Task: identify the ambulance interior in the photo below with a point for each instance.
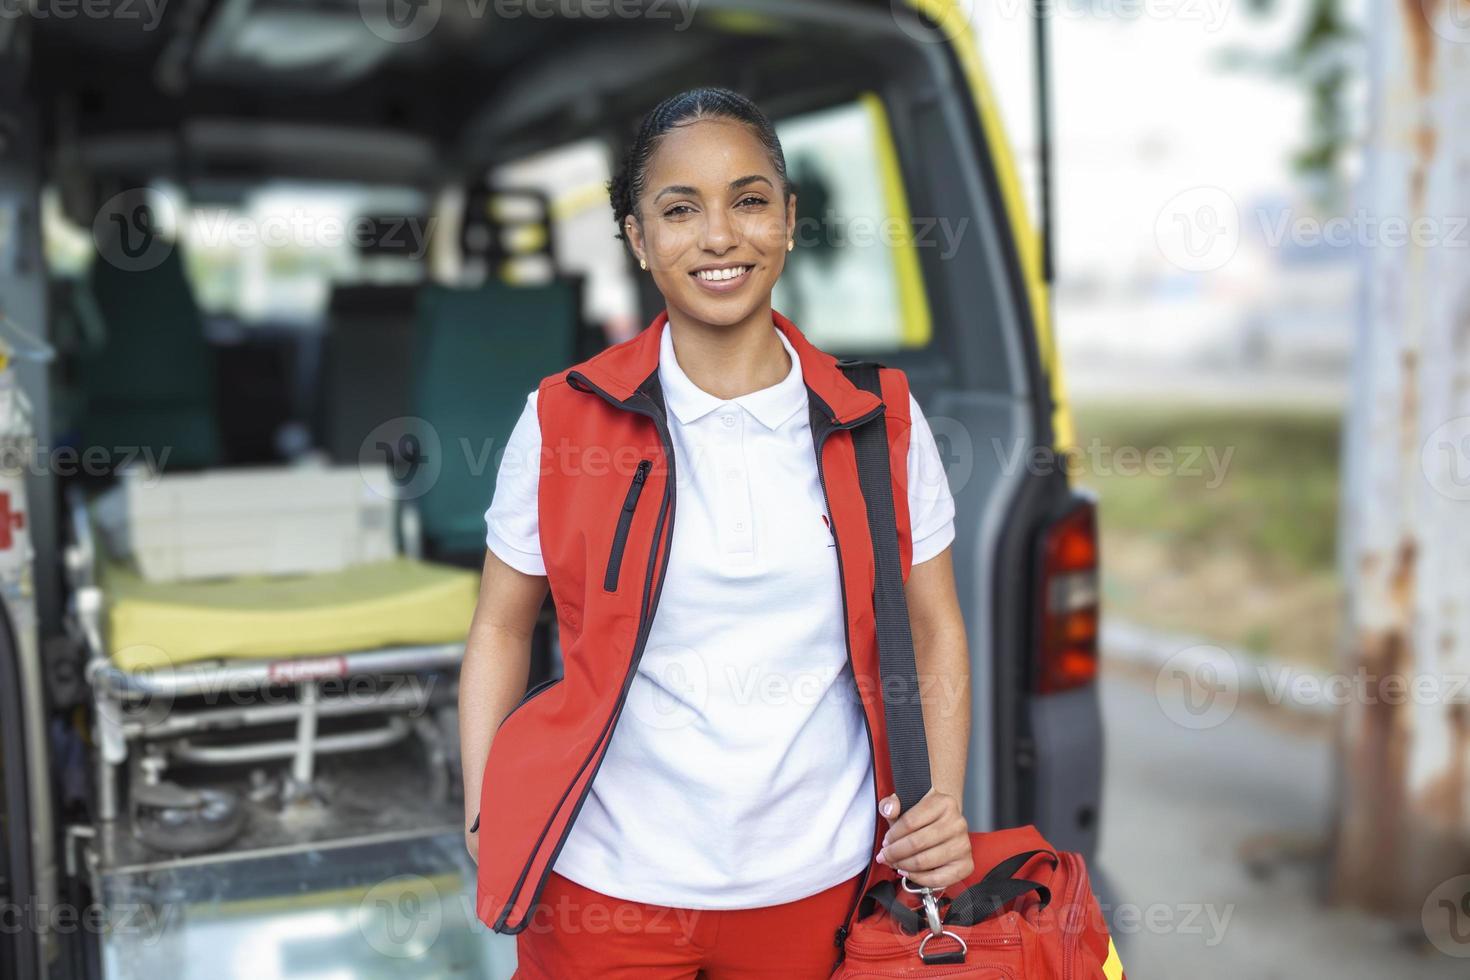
(299, 279)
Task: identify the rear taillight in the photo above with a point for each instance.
(1067, 649)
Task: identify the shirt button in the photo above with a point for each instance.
(728, 420)
(739, 525)
(732, 474)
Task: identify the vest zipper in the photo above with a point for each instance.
(645, 618)
(625, 520)
(833, 426)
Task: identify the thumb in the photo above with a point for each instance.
(889, 807)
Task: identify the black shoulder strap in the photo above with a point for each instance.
(908, 749)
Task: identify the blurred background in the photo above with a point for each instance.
(1181, 285)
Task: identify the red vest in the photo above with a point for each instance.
(607, 510)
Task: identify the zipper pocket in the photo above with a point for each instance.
(645, 620)
(533, 692)
(625, 520)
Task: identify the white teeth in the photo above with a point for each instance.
(717, 275)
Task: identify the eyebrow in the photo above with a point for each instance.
(735, 185)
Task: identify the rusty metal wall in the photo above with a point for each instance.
(1404, 760)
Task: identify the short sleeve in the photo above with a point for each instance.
(512, 524)
(931, 505)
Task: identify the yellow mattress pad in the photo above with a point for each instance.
(400, 602)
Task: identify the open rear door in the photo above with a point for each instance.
(19, 949)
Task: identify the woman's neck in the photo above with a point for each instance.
(730, 361)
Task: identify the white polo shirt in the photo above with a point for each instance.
(739, 773)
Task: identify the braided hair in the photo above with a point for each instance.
(678, 110)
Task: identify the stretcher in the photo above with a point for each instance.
(248, 672)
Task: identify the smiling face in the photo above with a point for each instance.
(711, 223)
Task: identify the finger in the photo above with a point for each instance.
(889, 807)
(922, 839)
(921, 814)
(932, 857)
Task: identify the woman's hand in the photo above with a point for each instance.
(930, 843)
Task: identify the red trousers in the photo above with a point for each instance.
(575, 932)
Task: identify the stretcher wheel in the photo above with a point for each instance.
(169, 818)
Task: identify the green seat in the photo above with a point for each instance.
(151, 382)
(480, 351)
(366, 352)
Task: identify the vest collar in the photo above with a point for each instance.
(623, 368)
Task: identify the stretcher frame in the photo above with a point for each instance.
(117, 694)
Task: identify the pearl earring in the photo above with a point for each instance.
(643, 264)
(790, 244)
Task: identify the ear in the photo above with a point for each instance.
(634, 233)
(790, 217)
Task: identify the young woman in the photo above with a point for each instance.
(701, 779)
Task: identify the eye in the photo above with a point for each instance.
(678, 211)
(751, 199)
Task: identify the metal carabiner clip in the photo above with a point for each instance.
(930, 898)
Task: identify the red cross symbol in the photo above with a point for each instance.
(9, 521)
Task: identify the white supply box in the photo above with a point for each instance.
(248, 521)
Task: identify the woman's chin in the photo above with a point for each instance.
(723, 311)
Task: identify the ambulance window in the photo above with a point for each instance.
(574, 178)
(854, 282)
(275, 255)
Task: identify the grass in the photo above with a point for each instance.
(1220, 522)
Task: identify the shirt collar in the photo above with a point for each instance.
(771, 406)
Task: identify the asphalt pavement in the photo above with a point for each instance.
(1214, 828)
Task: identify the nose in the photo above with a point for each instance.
(719, 232)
